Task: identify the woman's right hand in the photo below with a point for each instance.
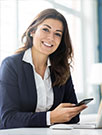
(65, 112)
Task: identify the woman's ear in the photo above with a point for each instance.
(32, 34)
(32, 31)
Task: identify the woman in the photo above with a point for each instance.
(36, 88)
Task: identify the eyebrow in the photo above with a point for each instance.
(50, 28)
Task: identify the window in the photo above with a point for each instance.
(8, 27)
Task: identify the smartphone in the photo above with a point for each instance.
(84, 101)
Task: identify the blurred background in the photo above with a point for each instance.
(84, 18)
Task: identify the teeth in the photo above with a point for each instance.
(47, 44)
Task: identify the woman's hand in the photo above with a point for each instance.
(65, 112)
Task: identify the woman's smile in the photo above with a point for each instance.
(47, 44)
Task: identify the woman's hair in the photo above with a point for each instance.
(60, 59)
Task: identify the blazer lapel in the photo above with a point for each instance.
(29, 75)
(58, 94)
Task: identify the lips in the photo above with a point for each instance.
(47, 44)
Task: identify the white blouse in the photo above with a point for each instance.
(45, 95)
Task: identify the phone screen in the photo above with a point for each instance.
(84, 101)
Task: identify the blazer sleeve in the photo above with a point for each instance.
(70, 97)
(10, 113)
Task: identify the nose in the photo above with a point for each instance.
(51, 36)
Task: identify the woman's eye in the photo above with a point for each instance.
(45, 29)
(59, 35)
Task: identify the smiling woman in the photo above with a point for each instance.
(46, 40)
(63, 47)
(36, 81)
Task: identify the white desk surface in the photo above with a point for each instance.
(48, 131)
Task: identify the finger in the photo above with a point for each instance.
(67, 105)
(76, 109)
(82, 107)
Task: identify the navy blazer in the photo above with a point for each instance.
(18, 95)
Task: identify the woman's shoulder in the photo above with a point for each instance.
(14, 61)
(13, 58)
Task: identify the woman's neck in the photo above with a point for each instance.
(40, 62)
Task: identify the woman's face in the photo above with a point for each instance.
(47, 37)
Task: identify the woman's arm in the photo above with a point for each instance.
(11, 113)
(66, 112)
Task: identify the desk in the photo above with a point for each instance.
(47, 131)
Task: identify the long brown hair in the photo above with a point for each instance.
(61, 59)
